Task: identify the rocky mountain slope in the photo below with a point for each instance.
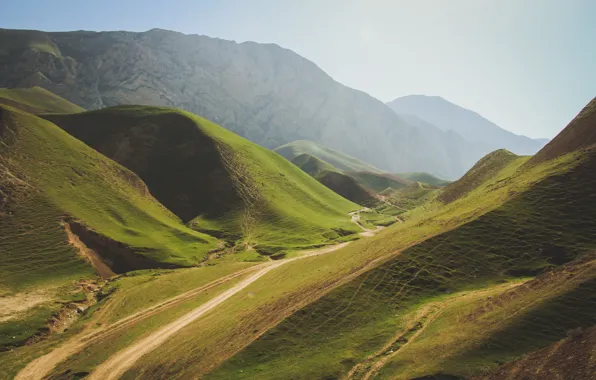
(263, 92)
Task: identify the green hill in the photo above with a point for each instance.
(49, 178)
(57, 193)
(336, 159)
(579, 134)
(347, 187)
(214, 180)
(329, 176)
(426, 178)
(504, 269)
(378, 182)
(484, 170)
(36, 100)
(312, 165)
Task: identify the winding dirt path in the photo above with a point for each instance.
(121, 361)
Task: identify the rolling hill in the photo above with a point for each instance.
(36, 100)
(336, 159)
(425, 178)
(312, 165)
(214, 180)
(506, 268)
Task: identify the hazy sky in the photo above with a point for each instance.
(527, 65)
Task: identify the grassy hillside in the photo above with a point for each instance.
(580, 133)
(570, 358)
(378, 182)
(336, 159)
(36, 100)
(49, 176)
(484, 170)
(334, 179)
(312, 165)
(394, 320)
(214, 180)
(51, 183)
(347, 187)
(426, 178)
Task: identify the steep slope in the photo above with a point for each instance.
(470, 125)
(49, 179)
(262, 92)
(67, 213)
(214, 180)
(337, 159)
(579, 134)
(346, 186)
(458, 301)
(570, 358)
(426, 178)
(401, 310)
(312, 165)
(378, 182)
(36, 100)
(484, 170)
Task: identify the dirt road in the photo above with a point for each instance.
(121, 361)
(114, 367)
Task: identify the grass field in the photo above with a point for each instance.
(37, 100)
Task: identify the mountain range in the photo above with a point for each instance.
(265, 93)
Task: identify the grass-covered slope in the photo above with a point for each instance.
(484, 170)
(580, 133)
(426, 178)
(215, 180)
(334, 179)
(312, 165)
(430, 309)
(347, 187)
(47, 177)
(36, 100)
(379, 182)
(337, 159)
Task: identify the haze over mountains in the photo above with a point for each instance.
(263, 92)
(139, 241)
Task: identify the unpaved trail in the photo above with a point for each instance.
(121, 361)
(40, 367)
(114, 367)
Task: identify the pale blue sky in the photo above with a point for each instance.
(528, 65)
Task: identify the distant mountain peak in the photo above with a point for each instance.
(472, 126)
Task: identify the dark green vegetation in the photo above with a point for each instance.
(335, 180)
(336, 159)
(214, 180)
(347, 187)
(49, 178)
(36, 100)
(51, 182)
(425, 178)
(379, 182)
(312, 165)
(443, 306)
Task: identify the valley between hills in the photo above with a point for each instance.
(141, 240)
